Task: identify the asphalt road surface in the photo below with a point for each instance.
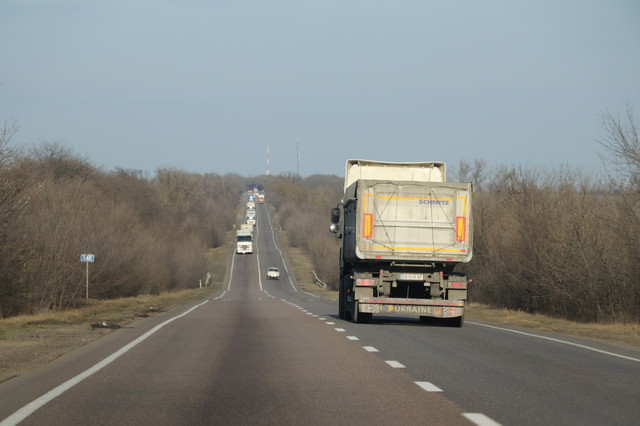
(264, 352)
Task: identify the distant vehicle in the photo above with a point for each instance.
(273, 273)
(250, 219)
(260, 198)
(244, 242)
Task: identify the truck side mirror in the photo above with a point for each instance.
(335, 215)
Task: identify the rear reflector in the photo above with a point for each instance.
(461, 225)
(365, 281)
(367, 225)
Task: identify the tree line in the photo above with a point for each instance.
(558, 242)
(148, 234)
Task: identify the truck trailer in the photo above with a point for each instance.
(405, 234)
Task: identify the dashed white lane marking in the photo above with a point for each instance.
(395, 364)
(341, 330)
(480, 419)
(330, 323)
(352, 338)
(371, 349)
(557, 341)
(322, 319)
(429, 387)
(273, 237)
(30, 408)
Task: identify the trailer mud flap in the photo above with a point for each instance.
(415, 310)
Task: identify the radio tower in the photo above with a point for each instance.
(268, 171)
(298, 157)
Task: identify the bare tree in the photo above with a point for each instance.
(622, 144)
(476, 173)
(7, 152)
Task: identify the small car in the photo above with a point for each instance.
(273, 273)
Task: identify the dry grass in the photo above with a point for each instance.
(28, 341)
(218, 258)
(621, 334)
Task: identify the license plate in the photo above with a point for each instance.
(411, 277)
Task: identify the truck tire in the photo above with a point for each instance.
(359, 317)
(341, 299)
(456, 322)
(426, 320)
(355, 315)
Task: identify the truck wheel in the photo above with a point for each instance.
(359, 317)
(426, 319)
(341, 302)
(355, 315)
(456, 322)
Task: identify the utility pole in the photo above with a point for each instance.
(298, 157)
(268, 171)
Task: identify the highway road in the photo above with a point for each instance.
(265, 352)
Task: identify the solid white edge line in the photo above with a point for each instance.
(34, 405)
(395, 364)
(259, 275)
(273, 235)
(220, 296)
(233, 259)
(480, 419)
(428, 386)
(589, 348)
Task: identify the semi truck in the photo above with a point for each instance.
(406, 232)
(244, 241)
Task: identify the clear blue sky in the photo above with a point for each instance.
(205, 85)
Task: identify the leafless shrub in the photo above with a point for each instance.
(547, 242)
(148, 235)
